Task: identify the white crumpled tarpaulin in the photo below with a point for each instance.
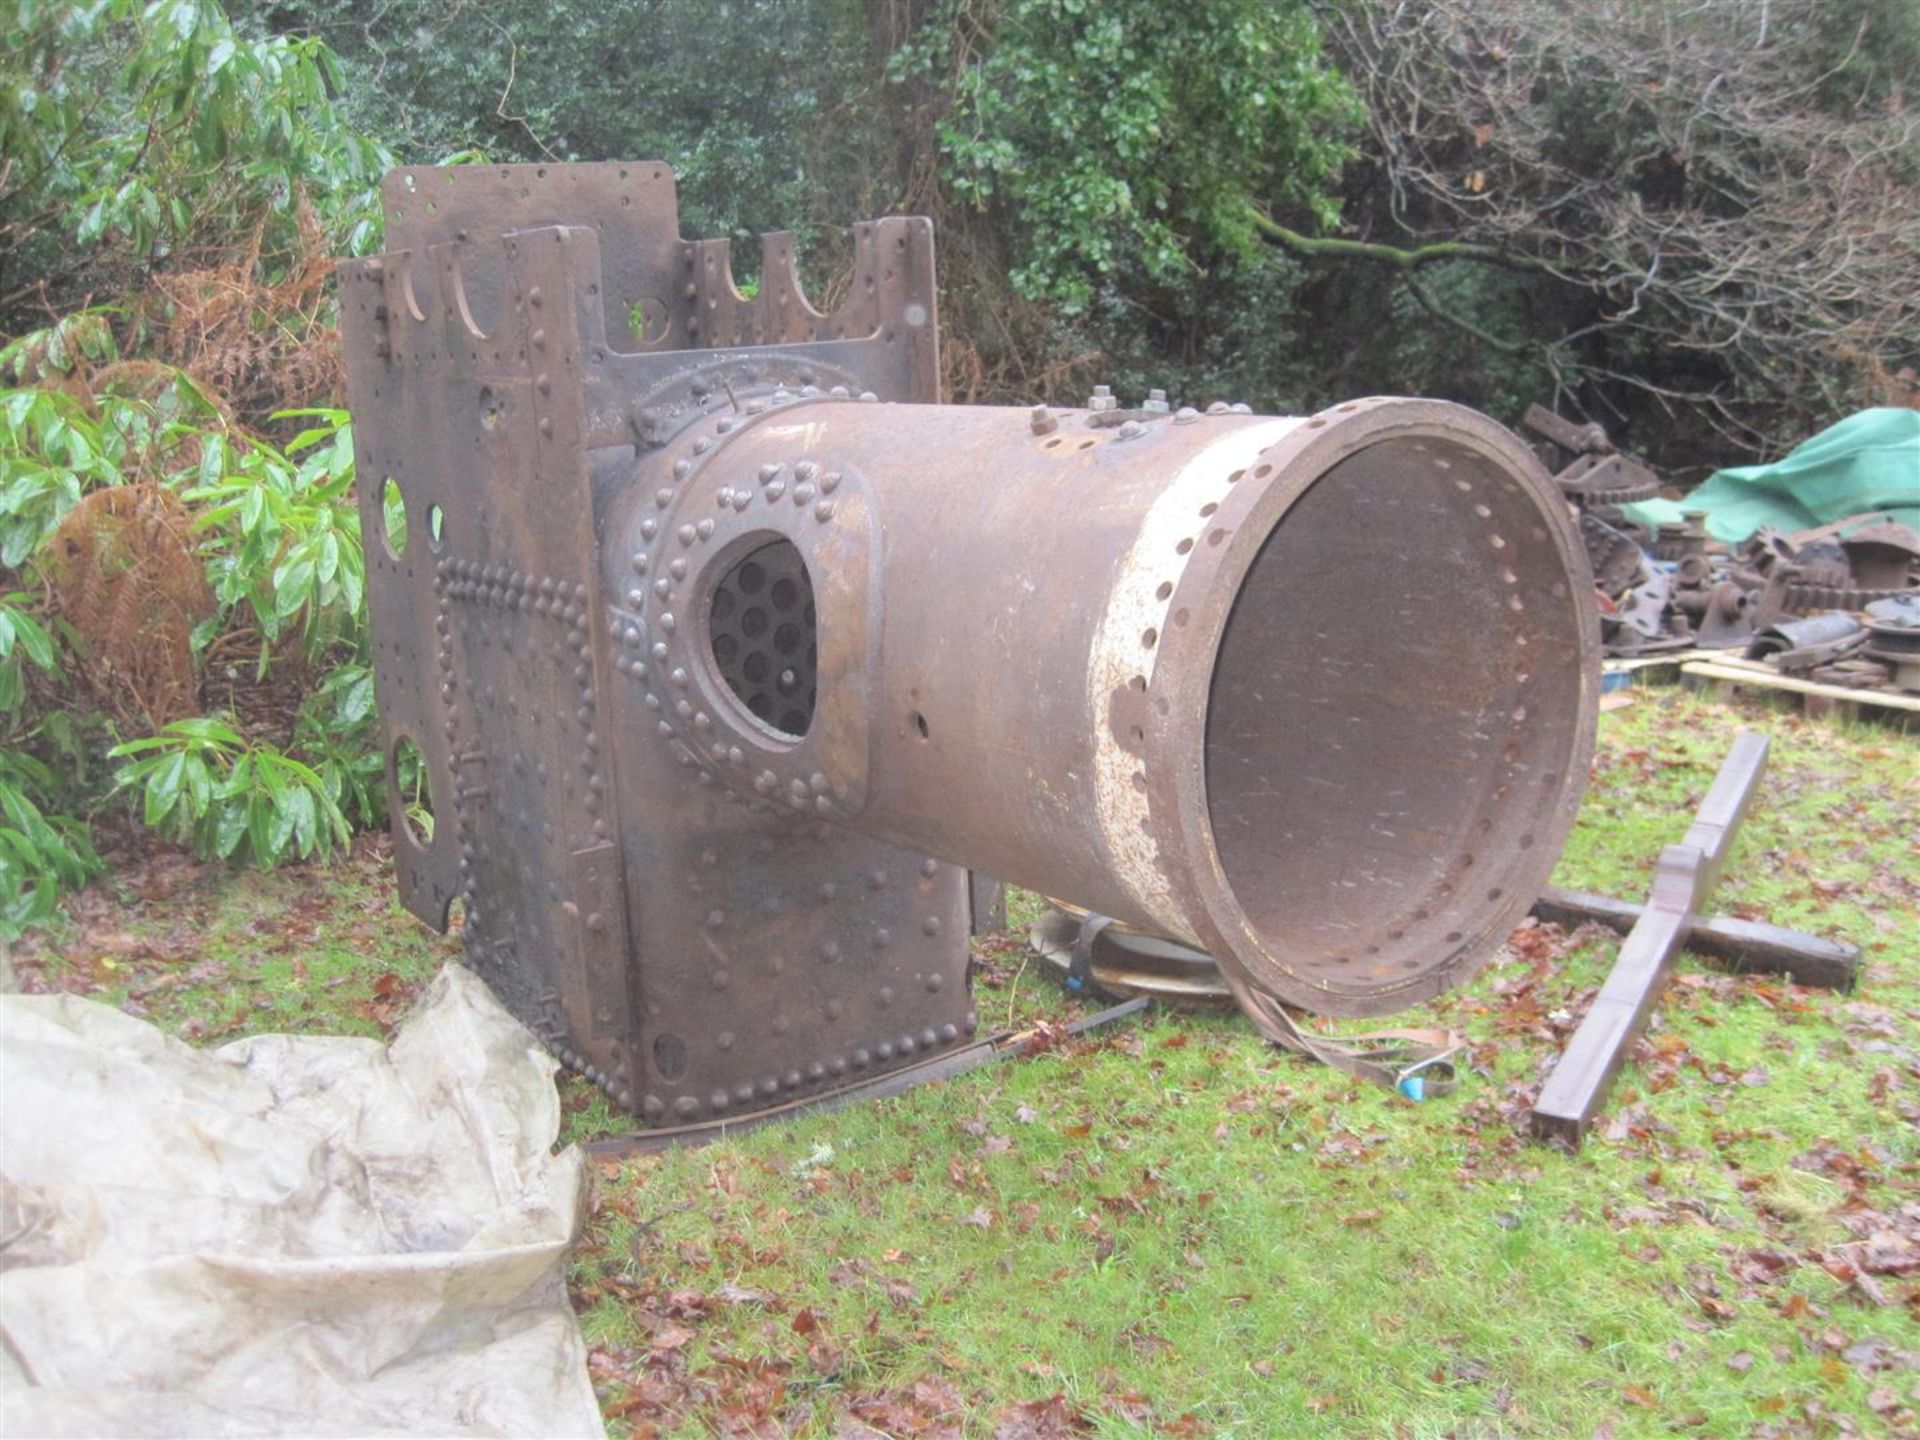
(288, 1235)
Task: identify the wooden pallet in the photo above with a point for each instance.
(1729, 672)
(1661, 668)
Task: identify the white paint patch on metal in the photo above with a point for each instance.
(1133, 608)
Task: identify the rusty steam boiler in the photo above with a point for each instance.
(728, 651)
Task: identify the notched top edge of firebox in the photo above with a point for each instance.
(662, 291)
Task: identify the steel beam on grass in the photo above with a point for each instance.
(1684, 878)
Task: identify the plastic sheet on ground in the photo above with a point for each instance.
(1868, 462)
(288, 1235)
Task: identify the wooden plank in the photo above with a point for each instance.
(1747, 947)
(1683, 879)
(1745, 673)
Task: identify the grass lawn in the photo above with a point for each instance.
(1172, 1228)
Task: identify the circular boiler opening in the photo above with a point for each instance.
(1397, 724)
(762, 631)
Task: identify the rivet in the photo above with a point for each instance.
(704, 529)
(1185, 415)
(929, 867)
(768, 471)
(686, 534)
(679, 675)
(663, 497)
(776, 489)
(802, 494)
(663, 587)
(823, 511)
(882, 938)
(868, 396)
(660, 650)
(741, 499)
(931, 925)
(677, 567)
(682, 469)
(546, 425)
(805, 470)
(639, 562)
(702, 444)
(716, 918)
(667, 622)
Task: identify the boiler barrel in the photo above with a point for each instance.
(1314, 694)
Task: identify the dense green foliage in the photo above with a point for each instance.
(135, 133)
(1125, 144)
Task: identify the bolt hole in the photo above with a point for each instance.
(670, 1056)
(393, 518)
(920, 724)
(412, 797)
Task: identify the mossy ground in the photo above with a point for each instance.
(1172, 1228)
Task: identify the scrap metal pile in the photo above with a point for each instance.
(1838, 604)
(728, 653)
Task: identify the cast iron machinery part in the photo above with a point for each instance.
(713, 907)
(1893, 637)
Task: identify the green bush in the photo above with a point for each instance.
(204, 784)
(277, 532)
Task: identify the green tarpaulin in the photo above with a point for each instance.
(1867, 462)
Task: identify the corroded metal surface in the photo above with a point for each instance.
(713, 841)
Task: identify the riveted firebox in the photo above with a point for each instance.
(727, 649)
